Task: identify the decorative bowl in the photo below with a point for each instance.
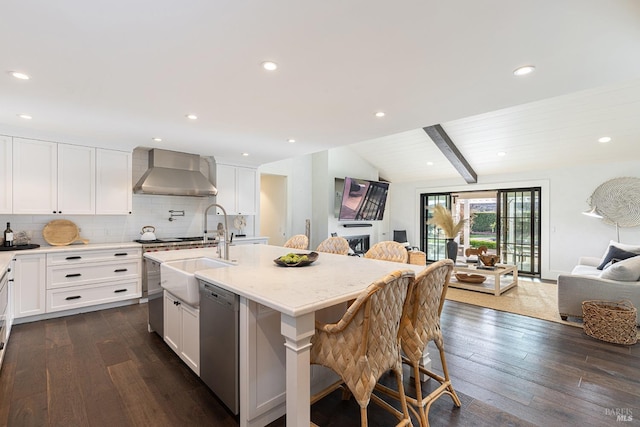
(311, 257)
(489, 260)
(470, 278)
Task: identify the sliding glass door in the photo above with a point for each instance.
(431, 240)
(517, 225)
(519, 229)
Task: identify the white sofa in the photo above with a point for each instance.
(618, 281)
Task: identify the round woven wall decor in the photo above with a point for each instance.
(618, 201)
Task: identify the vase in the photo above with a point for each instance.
(452, 249)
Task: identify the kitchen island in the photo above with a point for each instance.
(296, 294)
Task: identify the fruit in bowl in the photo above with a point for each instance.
(292, 258)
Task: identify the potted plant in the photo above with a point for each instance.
(443, 219)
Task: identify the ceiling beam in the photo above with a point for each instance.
(451, 152)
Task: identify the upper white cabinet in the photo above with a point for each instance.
(35, 185)
(51, 178)
(237, 189)
(6, 173)
(113, 182)
(76, 179)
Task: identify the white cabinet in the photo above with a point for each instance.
(76, 180)
(6, 175)
(69, 179)
(182, 330)
(237, 189)
(35, 165)
(113, 182)
(29, 285)
(91, 277)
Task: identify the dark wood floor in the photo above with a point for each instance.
(103, 368)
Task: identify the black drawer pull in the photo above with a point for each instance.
(121, 254)
(74, 297)
(117, 291)
(120, 270)
(73, 275)
(69, 258)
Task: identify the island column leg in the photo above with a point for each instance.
(297, 332)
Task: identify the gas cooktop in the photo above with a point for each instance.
(172, 240)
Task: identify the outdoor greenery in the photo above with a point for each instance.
(483, 222)
(490, 244)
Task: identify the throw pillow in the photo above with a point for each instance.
(629, 248)
(615, 252)
(627, 270)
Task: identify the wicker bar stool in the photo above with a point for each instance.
(299, 241)
(421, 324)
(365, 344)
(334, 245)
(388, 251)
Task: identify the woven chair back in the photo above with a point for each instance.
(388, 251)
(334, 245)
(364, 344)
(299, 241)
(421, 320)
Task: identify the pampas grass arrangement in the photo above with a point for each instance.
(443, 219)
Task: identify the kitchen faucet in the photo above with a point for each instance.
(225, 242)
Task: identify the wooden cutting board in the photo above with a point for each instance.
(62, 232)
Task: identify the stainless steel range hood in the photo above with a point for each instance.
(174, 174)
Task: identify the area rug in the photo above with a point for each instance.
(531, 298)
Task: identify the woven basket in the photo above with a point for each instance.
(610, 321)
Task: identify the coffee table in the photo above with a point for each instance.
(500, 278)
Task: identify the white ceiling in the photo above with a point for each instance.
(117, 73)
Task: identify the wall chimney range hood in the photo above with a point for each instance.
(172, 173)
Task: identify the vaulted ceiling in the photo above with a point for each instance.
(119, 73)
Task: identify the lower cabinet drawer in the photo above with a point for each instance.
(65, 276)
(82, 296)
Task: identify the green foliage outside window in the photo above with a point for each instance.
(483, 222)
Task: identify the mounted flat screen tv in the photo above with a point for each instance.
(363, 200)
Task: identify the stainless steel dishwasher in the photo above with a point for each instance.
(219, 343)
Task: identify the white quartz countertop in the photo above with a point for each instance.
(330, 280)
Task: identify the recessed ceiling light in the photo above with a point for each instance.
(380, 114)
(429, 163)
(25, 116)
(245, 154)
(604, 139)
(523, 71)
(19, 75)
(291, 141)
(157, 139)
(269, 65)
(192, 117)
(501, 154)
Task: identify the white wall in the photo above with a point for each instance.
(299, 188)
(311, 193)
(344, 162)
(566, 233)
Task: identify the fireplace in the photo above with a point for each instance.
(359, 244)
